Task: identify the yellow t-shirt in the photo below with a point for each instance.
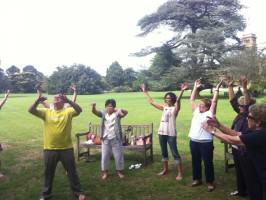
(57, 127)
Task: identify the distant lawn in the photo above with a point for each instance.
(21, 133)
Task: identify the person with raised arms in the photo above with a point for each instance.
(201, 141)
(167, 131)
(111, 136)
(57, 142)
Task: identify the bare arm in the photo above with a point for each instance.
(230, 85)
(194, 94)
(184, 86)
(75, 93)
(228, 138)
(39, 93)
(149, 99)
(213, 122)
(4, 100)
(74, 105)
(95, 111)
(123, 112)
(244, 81)
(33, 108)
(215, 98)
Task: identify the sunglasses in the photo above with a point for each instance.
(250, 117)
(242, 106)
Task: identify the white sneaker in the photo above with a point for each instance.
(131, 167)
(137, 166)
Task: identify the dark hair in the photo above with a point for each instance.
(172, 96)
(207, 102)
(110, 101)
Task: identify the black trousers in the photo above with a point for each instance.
(51, 158)
(202, 151)
(240, 172)
(253, 183)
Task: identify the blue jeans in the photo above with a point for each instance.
(202, 151)
(171, 140)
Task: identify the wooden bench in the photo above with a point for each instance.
(143, 132)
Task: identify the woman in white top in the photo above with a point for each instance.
(201, 141)
(167, 130)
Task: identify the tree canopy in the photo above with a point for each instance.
(87, 80)
(205, 30)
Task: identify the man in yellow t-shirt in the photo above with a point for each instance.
(57, 142)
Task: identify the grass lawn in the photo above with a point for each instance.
(21, 134)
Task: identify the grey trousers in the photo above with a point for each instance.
(51, 158)
(116, 147)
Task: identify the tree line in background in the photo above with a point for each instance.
(205, 44)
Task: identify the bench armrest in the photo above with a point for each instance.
(147, 136)
(81, 134)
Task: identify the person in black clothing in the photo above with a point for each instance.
(254, 140)
(240, 124)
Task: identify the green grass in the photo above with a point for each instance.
(22, 158)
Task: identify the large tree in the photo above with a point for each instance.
(87, 80)
(12, 70)
(205, 30)
(4, 82)
(129, 77)
(33, 70)
(114, 75)
(249, 62)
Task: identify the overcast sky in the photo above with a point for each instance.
(51, 33)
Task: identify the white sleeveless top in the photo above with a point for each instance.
(168, 122)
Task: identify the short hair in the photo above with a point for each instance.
(241, 100)
(172, 96)
(110, 101)
(207, 102)
(258, 111)
(57, 97)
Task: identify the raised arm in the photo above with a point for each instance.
(184, 86)
(33, 108)
(194, 94)
(215, 98)
(95, 111)
(75, 93)
(74, 105)
(2, 103)
(149, 99)
(123, 112)
(244, 82)
(230, 85)
(39, 92)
